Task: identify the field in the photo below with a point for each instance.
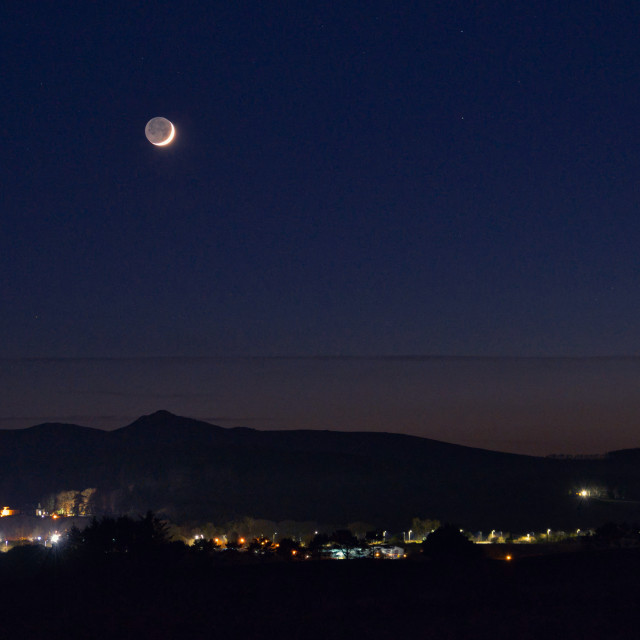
(579, 595)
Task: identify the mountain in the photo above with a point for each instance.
(189, 469)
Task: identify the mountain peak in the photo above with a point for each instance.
(168, 426)
(160, 417)
(161, 414)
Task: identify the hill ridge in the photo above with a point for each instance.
(191, 469)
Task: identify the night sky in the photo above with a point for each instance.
(418, 217)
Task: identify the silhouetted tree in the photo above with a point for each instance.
(613, 534)
(204, 546)
(152, 531)
(345, 541)
(449, 543)
(317, 544)
(260, 546)
(374, 536)
(121, 535)
(233, 545)
(74, 539)
(26, 559)
(288, 549)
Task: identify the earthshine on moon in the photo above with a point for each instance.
(159, 131)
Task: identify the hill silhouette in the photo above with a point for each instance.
(189, 469)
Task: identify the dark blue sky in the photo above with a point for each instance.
(363, 178)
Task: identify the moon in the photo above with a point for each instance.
(160, 131)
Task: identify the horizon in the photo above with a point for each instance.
(524, 405)
(364, 432)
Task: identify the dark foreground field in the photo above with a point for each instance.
(580, 595)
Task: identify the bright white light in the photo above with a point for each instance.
(55, 538)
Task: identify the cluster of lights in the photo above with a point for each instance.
(242, 541)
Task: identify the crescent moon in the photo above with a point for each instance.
(169, 139)
(159, 131)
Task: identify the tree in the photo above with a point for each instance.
(288, 549)
(85, 502)
(74, 539)
(359, 529)
(612, 534)
(344, 541)
(121, 535)
(203, 546)
(152, 531)
(260, 546)
(66, 502)
(449, 543)
(422, 528)
(232, 545)
(72, 502)
(317, 544)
